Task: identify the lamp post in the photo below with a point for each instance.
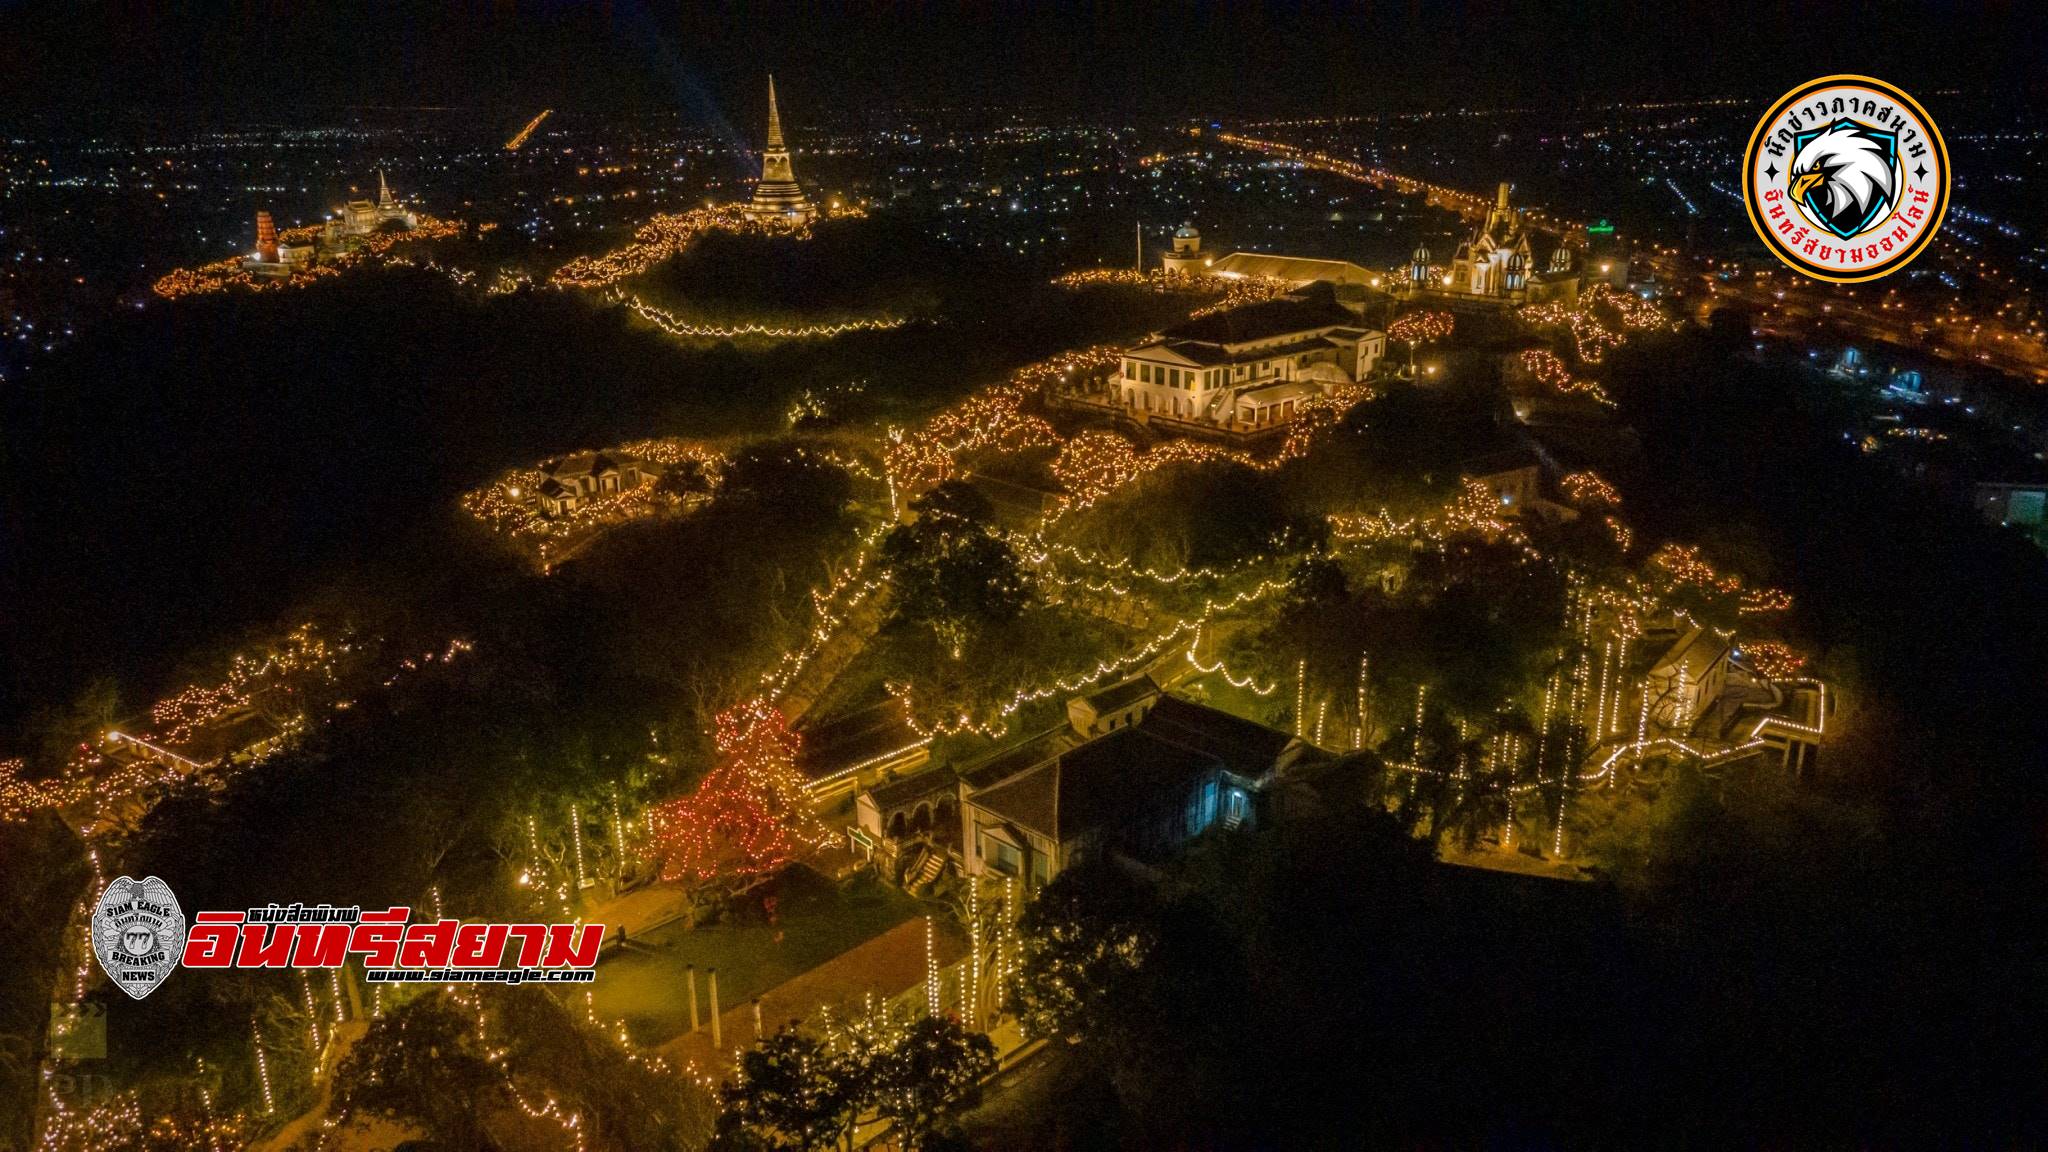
(717, 1036)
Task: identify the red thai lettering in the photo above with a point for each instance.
(211, 942)
(479, 945)
(582, 955)
(321, 945)
(265, 946)
(377, 937)
(531, 936)
(428, 945)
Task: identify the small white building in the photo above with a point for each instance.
(1186, 256)
(583, 477)
(1687, 680)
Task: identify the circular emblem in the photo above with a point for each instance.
(1846, 178)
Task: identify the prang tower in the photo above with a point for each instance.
(778, 195)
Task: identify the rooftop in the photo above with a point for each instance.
(1030, 801)
(866, 737)
(1008, 762)
(897, 793)
(1296, 269)
(1245, 747)
(1129, 773)
(1263, 321)
(1121, 695)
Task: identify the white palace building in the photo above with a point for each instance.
(1248, 370)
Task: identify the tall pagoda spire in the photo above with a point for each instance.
(778, 195)
(774, 119)
(383, 190)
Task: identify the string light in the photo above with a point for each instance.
(286, 677)
(312, 1022)
(1216, 668)
(931, 971)
(1233, 291)
(1773, 660)
(262, 1069)
(975, 1014)
(751, 814)
(1301, 698)
(512, 506)
(1587, 489)
(1364, 708)
(1543, 366)
(676, 326)
(232, 273)
(1418, 328)
(1592, 338)
(666, 236)
(1415, 748)
(576, 837)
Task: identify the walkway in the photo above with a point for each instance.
(884, 967)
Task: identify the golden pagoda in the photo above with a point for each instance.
(778, 195)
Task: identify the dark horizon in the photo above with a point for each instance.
(240, 61)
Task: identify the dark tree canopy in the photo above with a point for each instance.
(423, 1063)
(948, 569)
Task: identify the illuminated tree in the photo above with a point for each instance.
(460, 1065)
(128, 1123)
(1094, 464)
(937, 1066)
(789, 1092)
(801, 1089)
(751, 814)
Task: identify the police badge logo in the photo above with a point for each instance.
(138, 933)
(1846, 178)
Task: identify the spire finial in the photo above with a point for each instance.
(774, 118)
(383, 189)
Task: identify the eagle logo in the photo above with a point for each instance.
(1845, 177)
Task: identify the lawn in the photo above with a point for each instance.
(814, 920)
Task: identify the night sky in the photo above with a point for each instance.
(704, 58)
